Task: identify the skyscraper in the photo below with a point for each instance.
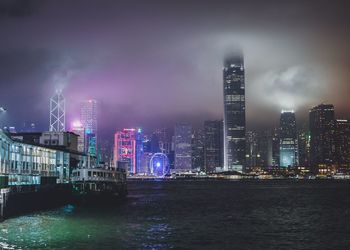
(127, 148)
(265, 149)
(275, 146)
(342, 145)
(234, 113)
(304, 148)
(183, 150)
(198, 150)
(57, 112)
(213, 145)
(321, 119)
(88, 118)
(78, 129)
(288, 139)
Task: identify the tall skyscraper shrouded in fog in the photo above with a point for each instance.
(88, 118)
(321, 119)
(234, 113)
(288, 139)
(57, 112)
(183, 147)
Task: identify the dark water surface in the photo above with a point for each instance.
(199, 215)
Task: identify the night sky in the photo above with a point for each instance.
(152, 63)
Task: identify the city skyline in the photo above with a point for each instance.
(283, 68)
(168, 124)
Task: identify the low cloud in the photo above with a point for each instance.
(293, 87)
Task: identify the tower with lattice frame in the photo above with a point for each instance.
(57, 112)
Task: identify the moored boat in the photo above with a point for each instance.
(98, 186)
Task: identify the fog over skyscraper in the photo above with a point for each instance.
(234, 113)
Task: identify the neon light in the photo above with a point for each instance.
(77, 124)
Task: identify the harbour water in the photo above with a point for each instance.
(197, 215)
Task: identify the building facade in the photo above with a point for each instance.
(288, 140)
(234, 114)
(57, 112)
(78, 129)
(321, 120)
(25, 162)
(198, 150)
(183, 147)
(127, 148)
(342, 145)
(213, 146)
(88, 119)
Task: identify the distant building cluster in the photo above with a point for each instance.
(225, 145)
(321, 149)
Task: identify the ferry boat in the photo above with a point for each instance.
(98, 186)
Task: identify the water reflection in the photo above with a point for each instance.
(195, 215)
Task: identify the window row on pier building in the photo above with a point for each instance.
(22, 163)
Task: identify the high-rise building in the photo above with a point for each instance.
(105, 149)
(57, 112)
(183, 147)
(304, 148)
(251, 149)
(78, 129)
(127, 148)
(155, 143)
(145, 163)
(164, 140)
(265, 149)
(234, 114)
(342, 145)
(139, 148)
(213, 145)
(198, 150)
(88, 118)
(275, 147)
(288, 139)
(321, 119)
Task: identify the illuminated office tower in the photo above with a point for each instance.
(183, 147)
(139, 149)
(342, 144)
(128, 148)
(198, 150)
(57, 112)
(321, 120)
(234, 114)
(88, 118)
(213, 154)
(288, 140)
(304, 148)
(78, 129)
